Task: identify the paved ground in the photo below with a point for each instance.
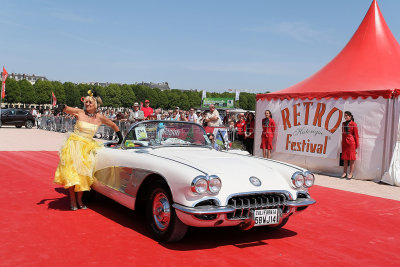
(13, 139)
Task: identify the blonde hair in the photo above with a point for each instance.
(96, 99)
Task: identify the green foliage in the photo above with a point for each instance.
(13, 92)
(72, 95)
(127, 96)
(247, 101)
(28, 95)
(141, 92)
(43, 91)
(83, 89)
(59, 91)
(114, 95)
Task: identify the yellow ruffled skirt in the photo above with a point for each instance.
(76, 162)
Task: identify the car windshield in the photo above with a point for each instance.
(165, 133)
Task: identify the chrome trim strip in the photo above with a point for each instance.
(301, 202)
(200, 210)
(287, 193)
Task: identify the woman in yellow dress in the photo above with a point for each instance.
(75, 168)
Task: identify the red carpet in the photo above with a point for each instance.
(37, 229)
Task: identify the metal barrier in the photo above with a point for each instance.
(66, 124)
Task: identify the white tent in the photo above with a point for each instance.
(363, 78)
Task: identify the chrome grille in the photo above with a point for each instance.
(244, 203)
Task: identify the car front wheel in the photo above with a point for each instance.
(161, 216)
(29, 124)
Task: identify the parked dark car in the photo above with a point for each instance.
(17, 117)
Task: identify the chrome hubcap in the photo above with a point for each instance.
(161, 211)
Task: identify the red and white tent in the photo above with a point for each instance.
(363, 78)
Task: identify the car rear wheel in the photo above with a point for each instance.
(29, 124)
(161, 216)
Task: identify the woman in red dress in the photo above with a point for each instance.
(240, 125)
(268, 126)
(349, 143)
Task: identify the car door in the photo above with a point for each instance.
(20, 116)
(8, 117)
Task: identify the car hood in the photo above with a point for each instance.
(229, 167)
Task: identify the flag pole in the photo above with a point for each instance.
(1, 94)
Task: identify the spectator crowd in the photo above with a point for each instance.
(240, 127)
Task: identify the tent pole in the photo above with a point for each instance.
(392, 130)
(386, 139)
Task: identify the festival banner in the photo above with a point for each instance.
(3, 84)
(218, 102)
(203, 94)
(53, 99)
(237, 94)
(309, 128)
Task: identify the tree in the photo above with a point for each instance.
(243, 102)
(127, 96)
(28, 95)
(194, 98)
(72, 95)
(141, 92)
(174, 99)
(13, 92)
(154, 97)
(163, 100)
(247, 101)
(83, 89)
(59, 91)
(112, 96)
(43, 91)
(184, 100)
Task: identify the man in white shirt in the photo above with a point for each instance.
(192, 116)
(35, 114)
(212, 117)
(136, 114)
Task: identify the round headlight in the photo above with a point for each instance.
(298, 179)
(309, 179)
(214, 184)
(199, 185)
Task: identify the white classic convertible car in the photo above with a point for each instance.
(170, 170)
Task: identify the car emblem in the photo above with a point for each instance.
(255, 181)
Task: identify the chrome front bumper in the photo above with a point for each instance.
(192, 215)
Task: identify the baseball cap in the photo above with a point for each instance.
(177, 108)
(136, 104)
(146, 101)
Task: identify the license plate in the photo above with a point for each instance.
(266, 216)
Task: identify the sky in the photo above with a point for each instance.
(214, 45)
